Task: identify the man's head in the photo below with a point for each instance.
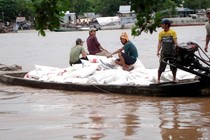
(208, 14)
(166, 22)
(79, 41)
(92, 30)
(124, 38)
(208, 11)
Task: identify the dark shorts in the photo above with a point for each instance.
(128, 60)
(79, 61)
(166, 58)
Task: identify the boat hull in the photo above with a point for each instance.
(167, 89)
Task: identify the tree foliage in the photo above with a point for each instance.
(150, 13)
(48, 14)
(197, 4)
(24, 8)
(147, 16)
(108, 7)
(79, 6)
(8, 10)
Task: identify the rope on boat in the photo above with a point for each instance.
(101, 89)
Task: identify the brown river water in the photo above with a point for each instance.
(40, 114)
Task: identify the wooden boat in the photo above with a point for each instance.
(169, 89)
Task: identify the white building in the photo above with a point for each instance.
(126, 15)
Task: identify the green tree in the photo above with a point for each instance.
(150, 13)
(147, 16)
(196, 4)
(48, 15)
(103, 7)
(8, 10)
(25, 9)
(106, 7)
(170, 8)
(79, 6)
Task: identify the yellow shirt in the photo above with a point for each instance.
(167, 41)
(170, 32)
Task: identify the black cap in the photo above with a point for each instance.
(79, 40)
(166, 21)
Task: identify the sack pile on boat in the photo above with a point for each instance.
(102, 70)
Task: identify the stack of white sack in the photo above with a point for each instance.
(102, 70)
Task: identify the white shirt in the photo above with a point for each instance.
(207, 28)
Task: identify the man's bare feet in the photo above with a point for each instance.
(175, 81)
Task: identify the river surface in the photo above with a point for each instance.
(40, 114)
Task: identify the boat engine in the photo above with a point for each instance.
(190, 59)
(185, 53)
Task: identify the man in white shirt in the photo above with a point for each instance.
(207, 29)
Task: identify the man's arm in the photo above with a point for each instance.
(84, 54)
(207, 43)
(117, 51)
(158, 48)
(176, 45)
(101, 47)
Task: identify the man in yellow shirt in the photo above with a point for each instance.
(167, 43)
